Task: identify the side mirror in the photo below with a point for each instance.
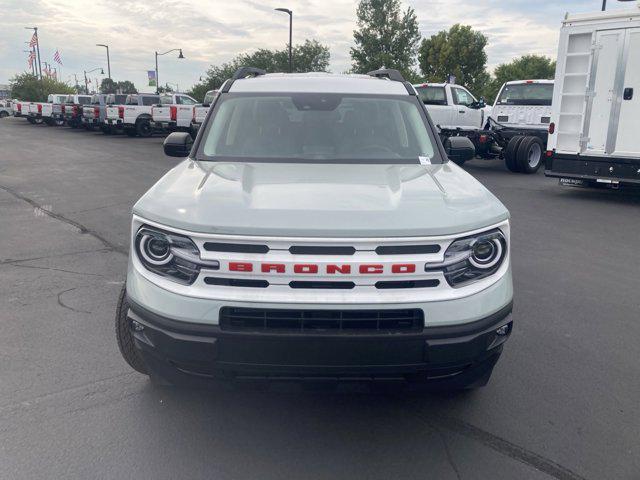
(459, 149)
(478, 104)
(178, 144)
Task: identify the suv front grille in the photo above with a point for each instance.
(236, 319)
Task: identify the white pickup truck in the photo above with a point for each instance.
(112, 102)
(20, 108)
(452, 106)
(51, 111)
(200, 111)
(134, 117)
(516, 129)
(34, 113)
(5, 109)
(174, 113)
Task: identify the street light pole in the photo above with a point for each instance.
(108, 60)
(86, 82)
(157, 55)
(290, 13)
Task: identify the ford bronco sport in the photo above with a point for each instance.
(317, 229)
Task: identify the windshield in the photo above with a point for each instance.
(526, 94)
(432, 95)
(317, 126)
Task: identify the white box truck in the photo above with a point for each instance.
(593, 138)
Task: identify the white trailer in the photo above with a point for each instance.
(594, 136)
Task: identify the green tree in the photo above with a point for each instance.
(522, 68)
(26, 86)
(109, 86)
(460, 51)
(386, 37)
(310, 56)
(126, 86)
(165, 89)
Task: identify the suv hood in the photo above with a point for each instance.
(320, 200)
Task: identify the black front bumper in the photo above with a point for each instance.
(586, 170)
(458, 356)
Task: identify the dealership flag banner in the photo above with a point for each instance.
(152, 77)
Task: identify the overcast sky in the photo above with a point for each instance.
(213, 31)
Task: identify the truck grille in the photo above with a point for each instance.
(236, 319)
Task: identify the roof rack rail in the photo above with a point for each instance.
(242, 72)
(395, 76)
(390, 73)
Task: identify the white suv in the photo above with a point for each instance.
(317, 229)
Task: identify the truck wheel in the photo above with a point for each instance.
(3, 114)
(130, 132)
(529, 155)
(511, 152)
(143, 128)
(124, 336)
(107, 130)
(31, 121)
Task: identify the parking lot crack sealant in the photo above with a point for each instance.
(83, 229)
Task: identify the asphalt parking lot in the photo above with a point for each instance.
(562, 403)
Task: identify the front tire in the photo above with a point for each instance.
(529, 155)
(3, 114)
(125, 337)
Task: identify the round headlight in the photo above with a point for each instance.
(155, 249)
(486, 253)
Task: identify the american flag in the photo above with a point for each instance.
(32, 57)
(56, 57)
(34, 40)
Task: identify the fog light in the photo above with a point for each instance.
(136, 326)
(503, 330)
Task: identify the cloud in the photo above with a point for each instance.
(212, 32)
